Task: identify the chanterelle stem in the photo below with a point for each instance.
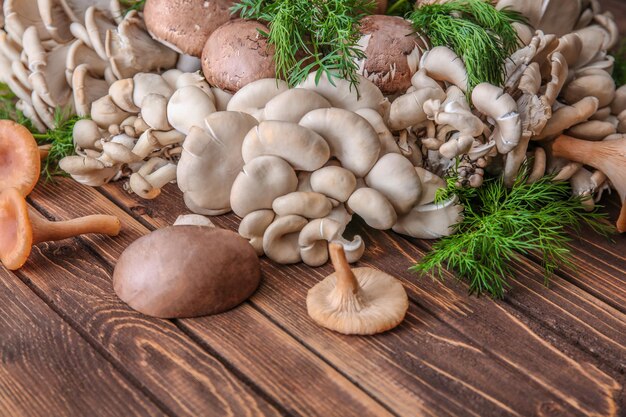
(346, 280)
(47, 231)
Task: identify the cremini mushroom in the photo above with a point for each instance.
(304, 149)
(280, 241)
(19, 158)
(306, 204)
(211, 160)
(187, 271)
(236, 54)
(362, 301)
(395, 177)
(392, 52)
(608, 156)
(314, 238)
(357, 151)
(253, 227)
(22, 227)
(333, 181)
(373, 207)
(431, 221)
(261, 181)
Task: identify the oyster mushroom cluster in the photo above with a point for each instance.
(66, 53)
(297, 164)
(137, 128)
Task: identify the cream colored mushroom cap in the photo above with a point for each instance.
(379, 305)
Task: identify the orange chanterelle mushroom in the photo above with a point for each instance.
(19, 158)
(22, 227)
(362, 301)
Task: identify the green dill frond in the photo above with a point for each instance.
(317, 35)
(619, 68)
(501, 224)
(476, 31)
(400, 7)
(130, 5)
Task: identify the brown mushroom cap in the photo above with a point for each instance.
(185, 24)
(236, 54)
(19, 158)
(392, 40)
(187, 271)
(360, 301)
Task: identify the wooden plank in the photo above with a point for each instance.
(284, 291)
(244, 339)
(48, 369)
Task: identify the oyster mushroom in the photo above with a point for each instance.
(253, 227)
(357, 152)
(373, 207)
(293, 104)
(362, 301)
(314, 238)
(187, 271)
(334, 182)
(492, 101)
(408, 109)
(105, 113)
(430, 221)
(188, 107)
(23, 227)
(19, 158)
(280, 241)
(394, 176)
(87, 89)
(302, 203)
(236, 54)
(442, 64)
(87, 135)
(253, 97)
(88, 171)
(209, 163)
(304, 149)
(608, 156)
(151, 177)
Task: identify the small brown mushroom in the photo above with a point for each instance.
(187, 271)
(236, 54)
(19, 158)
(608, 156)
(361, 301)
(22, 227)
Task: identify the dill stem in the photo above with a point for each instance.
(396, 6)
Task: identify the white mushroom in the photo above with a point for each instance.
(253, 97)
(373, 207)
(493, 102)
(253, 227)
(293, 104)
(333, 181)
(442, 64)
(306, 204)
(315, 236)
(151, 177)
(430, 221)
(395, 177)
(280, 241)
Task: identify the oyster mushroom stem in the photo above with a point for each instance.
(608, 156)
(362, 301)
(25, 227)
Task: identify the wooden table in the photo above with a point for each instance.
(68, 346)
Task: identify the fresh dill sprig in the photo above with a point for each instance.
(501, 224)
(476, 31)
(619, 67)
(311, 35)
(400, 7)
(130, 5)
(60, 140)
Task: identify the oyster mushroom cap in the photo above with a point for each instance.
(185, 26)
(601, 86)
(86, 135)
(121, 92)
(87, 89)
(189, 106)
(373, 207)
(392, 52)
(146, 83)
(430, 184)
(303, 203)
(408, 109)
(19, 158)
(334, 182)
(236, 54)
(206, 271)
(304, 149)
(261, 181)
(340, 92)
(253, 227)
(293, 104)
(88, 171)
(314, 237)
(209, 165)
(154, 112)
(395, 177)
(492, 101)
(253, 97)
(431, 221)
(361, 301)
(280, 241)
(357, 152)
(105, 113)
(442, 64)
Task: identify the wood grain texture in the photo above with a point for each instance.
(285, 289)
(246, 340)
(47, 369)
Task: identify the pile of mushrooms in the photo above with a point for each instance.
(66, 53)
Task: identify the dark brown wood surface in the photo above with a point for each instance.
(69, 346)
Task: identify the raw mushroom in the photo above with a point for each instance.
(22, 227)
(314, 238)
(431, 221)
(395, 177)
(442, 64)
(306, 204)
(211, 161)
(253, 227)
(408, 109)
(280, 241)
(373, 207)
(253, 97)
(334, 182)
(392, 52)
(187, 271)
(608, 156)
(293, 104)
(188, 107)
(236, 54)
(304, 149)
(362, 301)
(151, 177)
(492, 101)
(19, 158)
